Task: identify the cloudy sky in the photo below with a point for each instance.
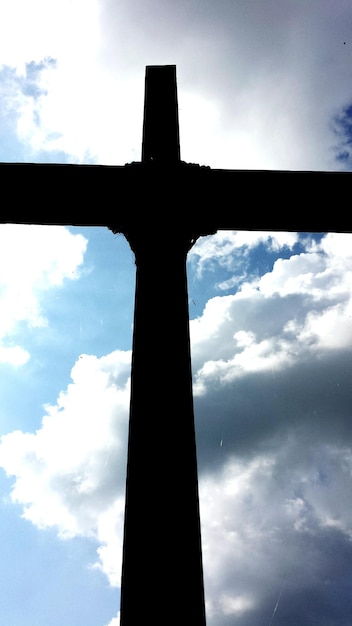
(262, 84)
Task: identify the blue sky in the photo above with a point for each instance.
(261, 85)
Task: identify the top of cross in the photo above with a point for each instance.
(161, 139)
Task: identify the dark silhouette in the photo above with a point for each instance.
(162, 558)
(161, 140)
(162, 206)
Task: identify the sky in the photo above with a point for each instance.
(261, 85)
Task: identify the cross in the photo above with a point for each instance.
(162, 205)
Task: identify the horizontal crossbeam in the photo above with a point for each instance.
(97, 195)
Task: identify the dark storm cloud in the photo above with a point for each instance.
(258, 412)
(274, 360)
(273, 397)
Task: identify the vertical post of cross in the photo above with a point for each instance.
(162, 573)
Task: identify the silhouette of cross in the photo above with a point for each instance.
(162, 205)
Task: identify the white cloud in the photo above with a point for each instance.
(258, 533)
(31, 32)
(303, 304)
(81, 107)
(69, 474)
(33, 259)
(94, 123)
(225, 247)
(115, 621)
(109, 537)
(236, 605)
